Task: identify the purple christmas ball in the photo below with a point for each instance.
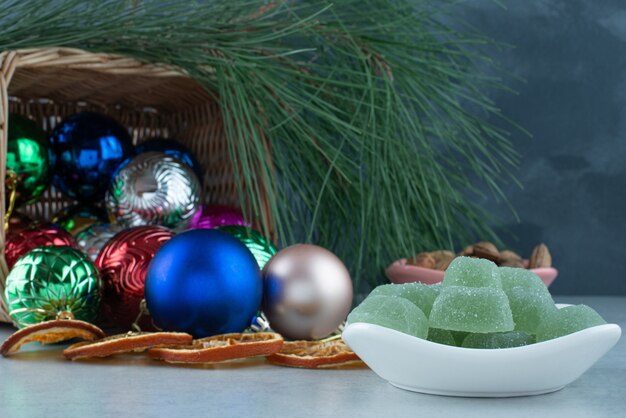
(212, 216)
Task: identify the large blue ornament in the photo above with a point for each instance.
(204, 282)
(85, 150)
(173, 148)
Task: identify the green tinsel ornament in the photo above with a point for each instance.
(27, 156)
(261, 248)
(52, 282)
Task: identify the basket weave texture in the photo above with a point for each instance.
(50, 84)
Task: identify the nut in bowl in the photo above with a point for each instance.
(429, 267)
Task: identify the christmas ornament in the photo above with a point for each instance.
(307, 292)
(85, 150)
(91, 239)
(175, 149)
(51, 283)
(21, 241)
(123, 263)
(10, 187)
(78, 217)
(154, 189)
(261, 248)
(204, 282)
(27, 156)
(20, 220)
(212, 216)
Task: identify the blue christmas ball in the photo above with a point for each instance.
(85, 150)
(174, 149)
(204, 282)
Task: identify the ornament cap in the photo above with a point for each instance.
(65, 315)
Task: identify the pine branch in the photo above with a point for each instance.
(375, 112)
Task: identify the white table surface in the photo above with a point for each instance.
(40, 382)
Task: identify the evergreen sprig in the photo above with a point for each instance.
(375, 112)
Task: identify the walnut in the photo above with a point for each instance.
(467, 251)
(510, 259)
(443, 258)
(510, 255)
(486, 250)
(422, 260)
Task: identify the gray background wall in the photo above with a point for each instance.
(572, 54)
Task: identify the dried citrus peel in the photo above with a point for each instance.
(50, 332)
(315, 354)
(221, 348)
(125, 343)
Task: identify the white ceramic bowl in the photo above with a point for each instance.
(418, 365)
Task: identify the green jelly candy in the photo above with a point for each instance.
(441, 336)
(472, 272)
(513, 278)
(568, 320)
(471, 309)
(529, 307)
(420, 294)
(498, 340)
(529, 298)
(459, 336)
(391, 312)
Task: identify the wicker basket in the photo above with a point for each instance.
(52, 83)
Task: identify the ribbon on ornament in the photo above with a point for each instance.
(11, 184)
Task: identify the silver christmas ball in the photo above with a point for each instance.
(307, 292)
(92, 239)
(154, 189)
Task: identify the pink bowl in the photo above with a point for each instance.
(400, 272)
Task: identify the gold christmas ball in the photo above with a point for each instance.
(307, 292)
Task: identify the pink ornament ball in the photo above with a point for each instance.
(212, 216)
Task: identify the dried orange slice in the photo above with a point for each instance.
(125, 343)
(221, 348)
(315, 354)
(50, 332)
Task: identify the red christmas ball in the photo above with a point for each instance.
(123, 263)
(21, 241)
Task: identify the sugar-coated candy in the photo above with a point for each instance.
(529, 306)
(420, 294)
(478, 305)
(471, 309)
(441, 336)
(498, 340)
(472, 272)
(513, 277)
(391, 312)
(459, 336)
(529, 298)
(566, 321)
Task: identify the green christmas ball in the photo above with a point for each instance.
(261, 248)
(79, 217)
(27, 156)
(52, 282)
